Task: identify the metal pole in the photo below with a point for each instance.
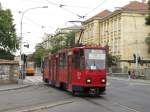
(136, 42)
(21, 63)
(136, 61)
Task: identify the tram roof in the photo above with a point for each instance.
(81, 47)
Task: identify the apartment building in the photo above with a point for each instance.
(91, 27)
(124, 30)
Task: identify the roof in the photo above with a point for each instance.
(78, 28)
(135, 5)
(100, 15)
(103, 13)
(132, 6)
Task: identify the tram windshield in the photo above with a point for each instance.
(95, 59)
(30, 64)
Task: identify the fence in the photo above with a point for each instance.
(8, 71)
(136, 73)
(147, 73)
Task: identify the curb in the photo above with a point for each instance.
(15, 88)
(133, 80)
(44, 106)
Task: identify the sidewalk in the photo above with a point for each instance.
(28, 81)
(11, 87)
(127, 79)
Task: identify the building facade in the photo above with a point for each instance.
(124, 30)
(91, 27)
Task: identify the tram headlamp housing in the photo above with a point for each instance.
(88, 81)
(103, 80)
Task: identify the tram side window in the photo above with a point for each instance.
(82, 59)
(45, 63)
(78, 60)
(62, 60)
(75, 59)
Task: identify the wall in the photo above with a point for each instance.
(134, 37)
(9, 72)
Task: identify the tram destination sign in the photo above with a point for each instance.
(97, 55)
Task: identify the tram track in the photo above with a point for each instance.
(107, 104)
(104, 102)
(21, 90)
(98, 104)
(47, 105)
(28, 107)
(38, 106)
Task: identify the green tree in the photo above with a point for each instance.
(39, 55)
(6, 54)
(8, 39)
(57, 43)
(62, 41)
(148, 17)
(110, 60)
(69, 39)
(147, 40)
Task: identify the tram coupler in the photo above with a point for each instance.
(92, 91)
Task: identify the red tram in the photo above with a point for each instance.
(78, 70)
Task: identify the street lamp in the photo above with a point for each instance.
(136, 42)
(21, 63)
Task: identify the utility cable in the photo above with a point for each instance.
(35, 1)
(37, 24)
(95, 8)
(53, 3)
(62, 7)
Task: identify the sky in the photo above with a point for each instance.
(38, 21)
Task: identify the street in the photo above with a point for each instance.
(75, 56)
(121, 96)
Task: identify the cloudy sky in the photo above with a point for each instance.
(46, 20)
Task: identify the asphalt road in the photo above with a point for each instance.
(121, 96)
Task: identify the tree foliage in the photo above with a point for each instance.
(110, 60)
(147, 40)
(8, 38)
(69, 39)
(6, 55)
(57, 43)
(62, 41)
(39, 55)
(148, 17)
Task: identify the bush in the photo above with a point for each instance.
(6, 55)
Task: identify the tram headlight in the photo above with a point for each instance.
(88, 81)
(103, 80)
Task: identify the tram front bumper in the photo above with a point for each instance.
(89, 90)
